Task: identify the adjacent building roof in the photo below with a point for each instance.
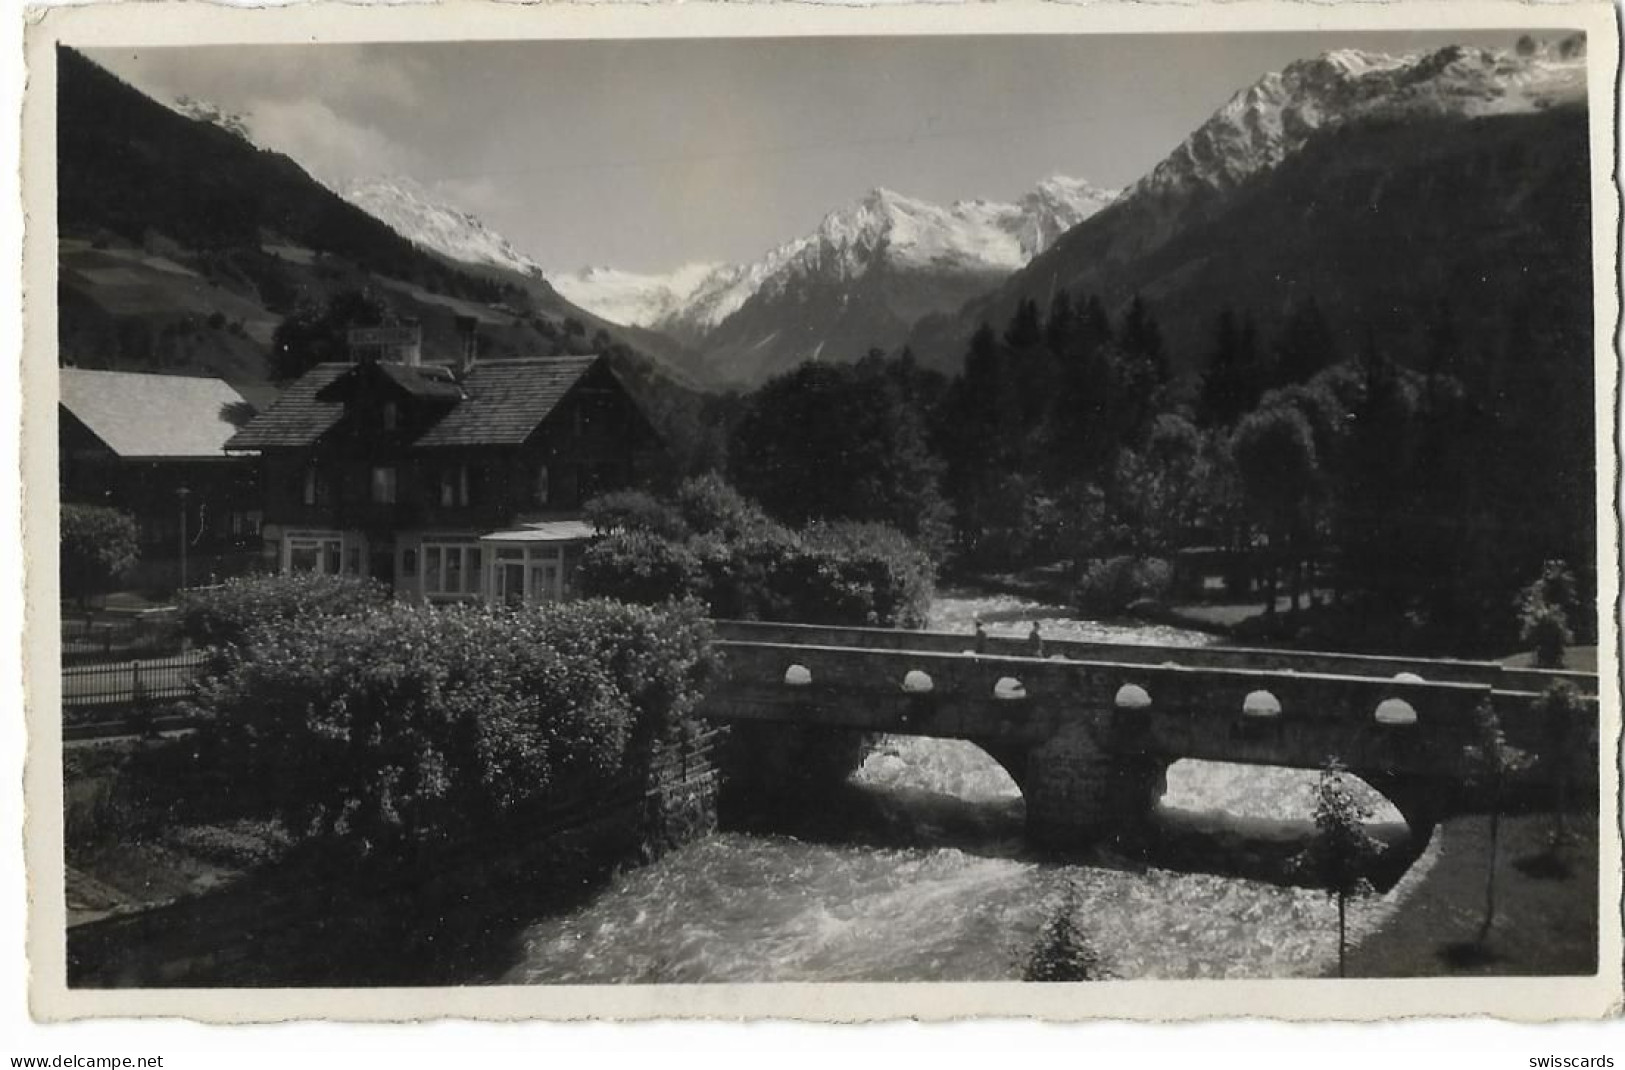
(500, 402)
(143, 416)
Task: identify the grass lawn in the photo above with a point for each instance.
(1546, 917)
(1578, 659)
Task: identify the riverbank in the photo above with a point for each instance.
(1546, 906)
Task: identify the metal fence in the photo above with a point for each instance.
(104, 637)
(128, 683)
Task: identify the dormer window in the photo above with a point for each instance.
(392, 416)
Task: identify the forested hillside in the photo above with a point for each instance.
(184, 247)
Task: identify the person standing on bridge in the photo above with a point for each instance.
(1035, 642)
(981, 637)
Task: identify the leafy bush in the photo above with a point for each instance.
(402, 728)
(98, 546)
(709, 506)
(870, 569)
(222, 615)
(741, 564)
(636, 510)
(1110, 586)
(640, 566)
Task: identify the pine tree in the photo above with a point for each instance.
(1230, 386)
(1142, 341)
(1064, 950)
(1062, 325)
(1306, 344)
(1026, 327)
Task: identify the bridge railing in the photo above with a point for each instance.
(1222, 713)
(1195, 657)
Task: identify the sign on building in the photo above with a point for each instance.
(401, 345)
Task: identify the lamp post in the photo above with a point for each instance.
(181, 493)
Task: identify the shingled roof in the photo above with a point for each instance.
(139, 415)
(505, 400)
(299, 417)
(500, 403)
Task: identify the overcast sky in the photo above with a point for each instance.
(646, 155)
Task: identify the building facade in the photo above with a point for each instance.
(448, 485)
(153, 446)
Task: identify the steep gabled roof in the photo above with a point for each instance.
(299, 417)
(139, 415)
(506, 400)
(500, 403)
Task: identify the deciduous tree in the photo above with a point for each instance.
(1342, 851)
(317, 333)
(99, 544)
(1492, 760)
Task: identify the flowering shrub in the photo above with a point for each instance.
(221, 615)
(741, 564)
(400, 728)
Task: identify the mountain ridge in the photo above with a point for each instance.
(869, 269)
(183, 245)
(1251, 136)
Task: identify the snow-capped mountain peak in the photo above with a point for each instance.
(1269, 120)
(629, 298)
(204, 111)
(416, 214)
(982, 239)
(967, 239)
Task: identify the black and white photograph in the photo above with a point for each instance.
(584, 513)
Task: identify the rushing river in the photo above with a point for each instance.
(920, 874)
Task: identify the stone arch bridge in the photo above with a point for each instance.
(1088, 730)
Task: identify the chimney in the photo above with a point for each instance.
(411, 344)
(468, 339)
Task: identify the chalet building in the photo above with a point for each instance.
(448, 484)
(154, 447)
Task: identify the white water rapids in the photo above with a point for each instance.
(924, 877)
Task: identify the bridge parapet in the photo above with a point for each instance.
(1443, 670)
(1089, 740)
(1190, 712)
